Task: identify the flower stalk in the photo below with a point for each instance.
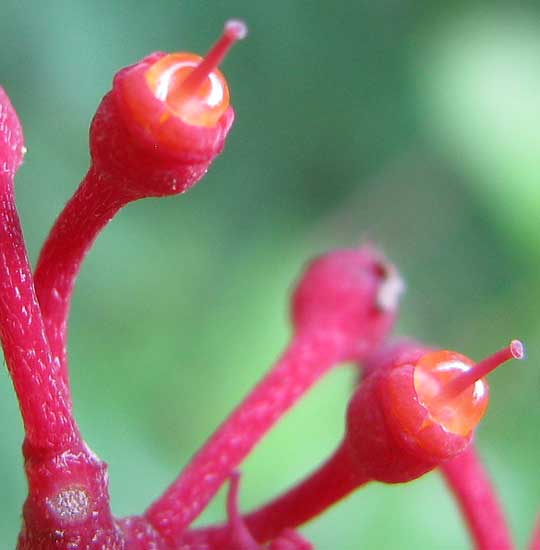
(155, 134)
(468, 480)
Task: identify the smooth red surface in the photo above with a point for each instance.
(410, 421)
(147, 122)
(330, 483)
(347, 290)
(459, 413)
(390, 432)
(479, 504)
(233, 31)
(459, 384)
(168, 76)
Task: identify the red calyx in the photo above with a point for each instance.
(428, 402)
(388, 430)
(173, 137)
(142, 136)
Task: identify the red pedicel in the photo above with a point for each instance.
(142, 145)
(392, 435)
(68, 502)
(479, 504)
(67, 484)
(337, 315)
(44, 400)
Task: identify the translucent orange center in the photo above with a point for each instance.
(459, 414)
(201, 107)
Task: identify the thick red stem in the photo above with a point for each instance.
(43, 397)
(333, 481)
(470, 483)
(307, 359)
(68, 504)
(95, 202)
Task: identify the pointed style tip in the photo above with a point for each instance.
(236, 29)
(233, 31)
(518, 350)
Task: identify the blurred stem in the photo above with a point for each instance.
(478, 502)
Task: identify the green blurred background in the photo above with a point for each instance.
(418, 127)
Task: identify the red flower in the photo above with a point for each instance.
(156, 133)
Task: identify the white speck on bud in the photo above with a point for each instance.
(71, 504)
(391, 289)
